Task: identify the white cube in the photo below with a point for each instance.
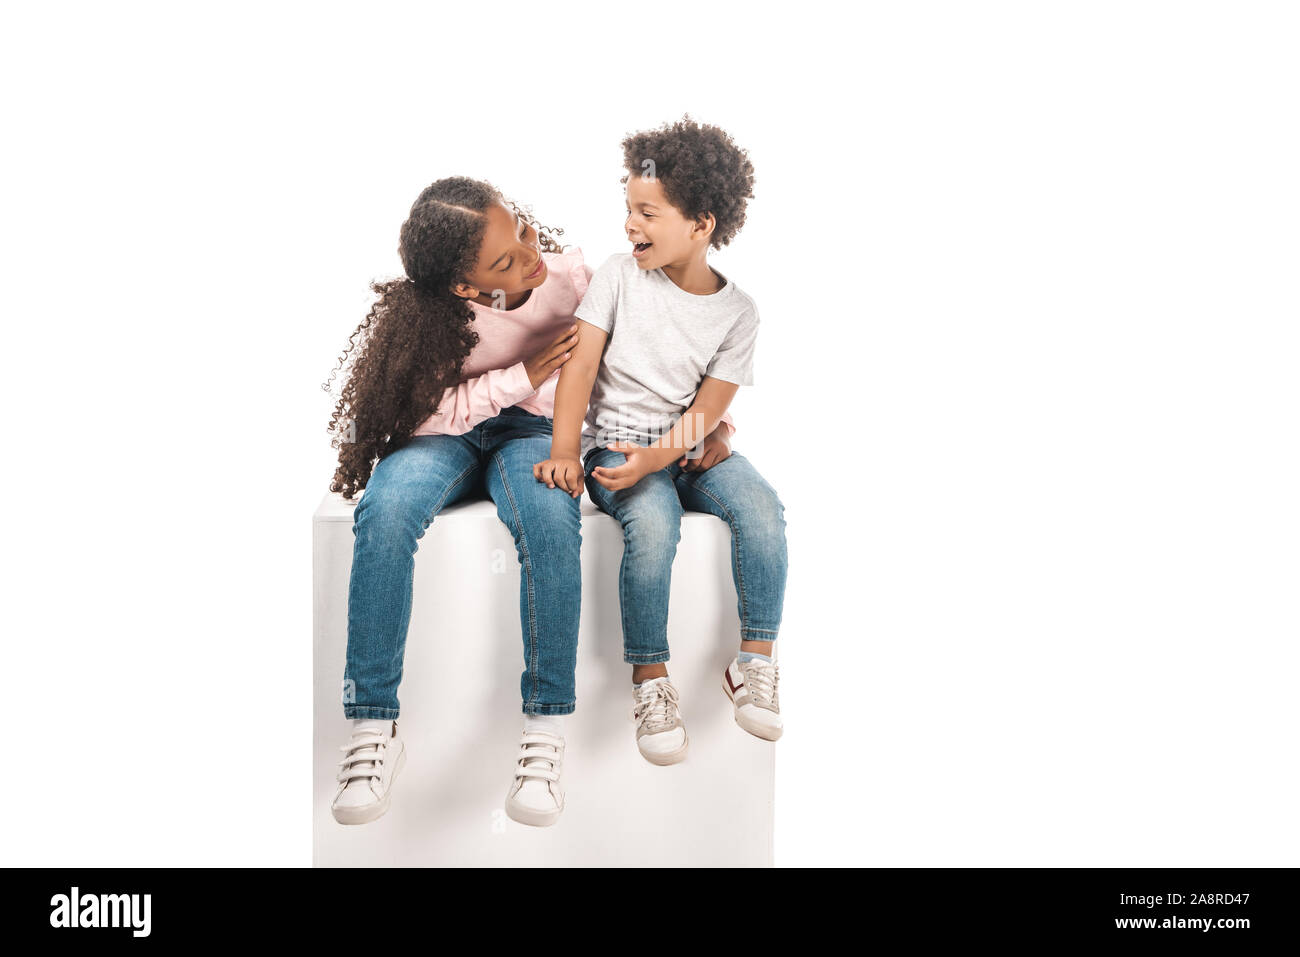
(461, 711)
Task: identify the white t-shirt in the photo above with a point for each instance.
(662, 342)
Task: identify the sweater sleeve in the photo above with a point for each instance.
(478, 399)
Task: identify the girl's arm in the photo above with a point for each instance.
(482, 397)
(479, 399)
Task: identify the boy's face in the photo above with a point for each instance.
(509, 259)
(660, 234)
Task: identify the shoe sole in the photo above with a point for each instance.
(370, 812)
(672, 757)
(532, 816)
(757, 730)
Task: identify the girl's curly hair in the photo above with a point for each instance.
(700, 168)
(411, 346)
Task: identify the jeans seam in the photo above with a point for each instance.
(446, 494)
(656, 657)
(528, 574)
(349, 711)
(622, 567)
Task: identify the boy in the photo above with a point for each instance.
(678, 340)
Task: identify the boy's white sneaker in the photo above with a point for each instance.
(660, 734)
(371, 761)
(536, 797)
(752, 687)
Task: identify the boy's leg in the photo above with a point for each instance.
(735, 492)
(408, 488)
(651, 515)
(546, 525)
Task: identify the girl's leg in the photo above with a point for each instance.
(546, 526)
(651, 516)
(735, 492)
(408, 488)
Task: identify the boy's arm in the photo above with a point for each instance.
(688, 431)
(697, 422)
(572, 393)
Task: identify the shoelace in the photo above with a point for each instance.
(363, 756)
(761, 680)
(656, 705)
(539, 755)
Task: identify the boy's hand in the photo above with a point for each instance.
(640, 463)
(564, 472)
(715, 448)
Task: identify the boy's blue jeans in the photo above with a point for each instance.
(651, 515)
(407, 490)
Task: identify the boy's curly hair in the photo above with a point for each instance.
(701, 170)
(411, 346)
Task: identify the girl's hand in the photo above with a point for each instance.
(552, 357)
(639, 464)
(566, 473)
(715, 448)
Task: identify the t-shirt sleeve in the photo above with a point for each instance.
(734, 360)
(598, 305)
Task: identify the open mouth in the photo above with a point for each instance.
(640, 249)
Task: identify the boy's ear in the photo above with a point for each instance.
(704, 225)
(464, 290)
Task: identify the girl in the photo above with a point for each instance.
(452, 388)
(665, 337)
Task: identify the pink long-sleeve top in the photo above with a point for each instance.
(494, 374)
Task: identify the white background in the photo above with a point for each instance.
(1026, 384)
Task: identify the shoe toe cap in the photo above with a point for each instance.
(356, 795)
(535, 797)
(665, 742)
(761, 717)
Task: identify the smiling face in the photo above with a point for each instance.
(660, 234)
(509, 259)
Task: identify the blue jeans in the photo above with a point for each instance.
(651, 515)
(407, 490)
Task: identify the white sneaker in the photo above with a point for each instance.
(660, 734)
(371, 761)
(536, 796)
(752, 688)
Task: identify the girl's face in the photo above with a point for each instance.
(659, 233)
(509, 259)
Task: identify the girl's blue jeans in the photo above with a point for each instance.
(408, 489)
(651, 515)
